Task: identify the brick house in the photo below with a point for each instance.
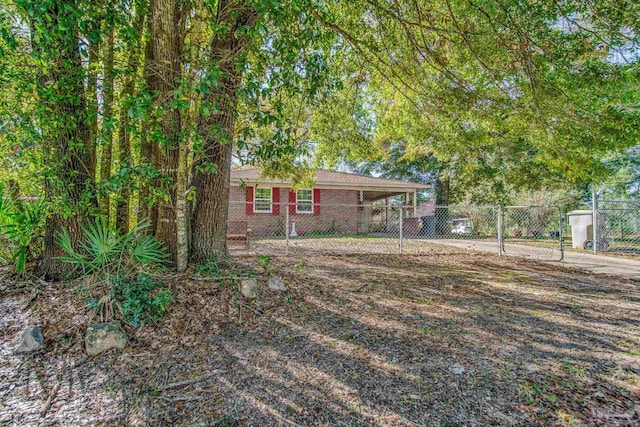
(338, 202)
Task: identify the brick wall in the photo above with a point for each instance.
(331, 219)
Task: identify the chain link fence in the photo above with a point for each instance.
(533, 232)
(536, 232)
(617, 227)
(283, 229)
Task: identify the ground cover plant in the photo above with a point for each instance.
(114, 272)
(444, 338)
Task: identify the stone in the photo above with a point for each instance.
(249, 287)
(276, 284)
(457, 369)
(102, 337)
(31, 340)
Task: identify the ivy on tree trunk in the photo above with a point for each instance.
(212, 166)
(63, 121)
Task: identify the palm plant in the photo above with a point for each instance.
(21, 225)
(105, 252)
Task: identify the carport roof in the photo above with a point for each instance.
(330, 179)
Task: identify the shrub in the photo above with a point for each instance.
(141, 299)
(106, 253)
(117, 266)
(21, 227)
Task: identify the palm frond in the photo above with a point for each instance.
(104, 252)
(148, 250)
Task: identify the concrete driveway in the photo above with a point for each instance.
(612, 265)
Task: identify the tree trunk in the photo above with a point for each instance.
(189, 118)
(123, 206)
(107, 121)
(145, 211)
(442, 210)
(182, 242)
(123, 200)
(442, 191)
(209, 222)
(65, 133)
(166, 49)
(92, 103)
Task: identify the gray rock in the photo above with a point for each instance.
(102, 337)
(249, 287)
(457, 369)
(276, 284)
(31, 340)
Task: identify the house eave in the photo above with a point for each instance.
(409, 187)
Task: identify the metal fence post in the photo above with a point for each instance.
(286, 229)
(561, 228)
(594, 212)
(499, 230)
(401, 215)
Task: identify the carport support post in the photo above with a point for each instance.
(594, 212)
(499, 230)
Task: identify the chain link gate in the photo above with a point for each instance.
(617, 228)
(466, 227)
(534, 232)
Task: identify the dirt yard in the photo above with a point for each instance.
(446, 338)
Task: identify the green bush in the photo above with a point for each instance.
(141, 299)
(21, 228)
(105, 252)
(115, 267)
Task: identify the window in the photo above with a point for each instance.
(262, 200)
(304, 201)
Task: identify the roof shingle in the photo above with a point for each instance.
(329, 178)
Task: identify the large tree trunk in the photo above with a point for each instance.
(123, 206)
(92, 102)
(166, 46)
(107, 121)
(147, 212)
(65, 133)
(209, 222)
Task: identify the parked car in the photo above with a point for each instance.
(461, 226)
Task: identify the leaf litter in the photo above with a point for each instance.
(441, 339)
